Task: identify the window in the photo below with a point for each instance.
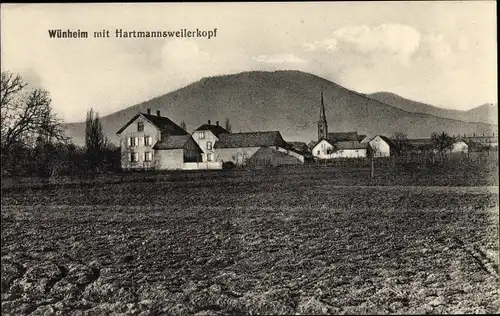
(132, 142)
(147, 140)
(202, 135)
(209, 157)
(134, 157)
(140, 126)
(209, 145)
(317, 152)
(147, 156)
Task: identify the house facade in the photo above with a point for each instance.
(380, 146)
(206, 136)
(155, 142)
(460, 147)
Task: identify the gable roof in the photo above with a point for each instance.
(350, 145)
(387, 140)
(164, 124)
(252, 139)
(301, 146)
(215, 129)
(172, 142)
(343, 136)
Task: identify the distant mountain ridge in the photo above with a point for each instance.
(486, 113)
(287, 101)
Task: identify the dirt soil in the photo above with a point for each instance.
(237, 245)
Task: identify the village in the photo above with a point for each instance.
(154, 142)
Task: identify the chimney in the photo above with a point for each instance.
(149, 111)
(158, 112)
(208, 122)
(217, 123)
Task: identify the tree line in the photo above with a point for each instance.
(33, 139)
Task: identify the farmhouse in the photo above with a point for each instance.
(155, 142)
(256, 148)
(328, 149)
(205, 136)
(381, 146)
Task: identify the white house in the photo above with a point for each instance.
(155, 142)
(460, 147)
(329, 149)
(206, 136)
(381, 146)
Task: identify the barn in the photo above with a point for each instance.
(256, 148)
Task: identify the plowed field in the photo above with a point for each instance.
(247, 244)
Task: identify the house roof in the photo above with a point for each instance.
(387, 140)
(172, 142)
(215, 129)
(420, 141)
(252, 139)
(361, 137)
(350, 145)
(299, 145)
(343, 136)
(164, 124)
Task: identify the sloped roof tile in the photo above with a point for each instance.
(251, 139)
(164, 124)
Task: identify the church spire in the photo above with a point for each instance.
(322, 115)
(322, 124)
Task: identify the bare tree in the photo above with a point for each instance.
(442, 142)
(26, 115)
(228, 126)
(401, 142)
(183, 125)
(95, 141)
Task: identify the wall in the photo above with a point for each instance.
(291, 153)
(322, 147)
(460, 147)
(202, 165)
(140, 148)
(202, 142)
(171, 159)
(349, 153)
(380, 147)
(192, 152)
(236, 155)
(272, 156)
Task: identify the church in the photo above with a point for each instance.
(337, 144)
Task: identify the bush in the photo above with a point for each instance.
(228, 165)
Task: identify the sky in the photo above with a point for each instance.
(441, 53)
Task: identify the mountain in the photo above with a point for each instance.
(486, 113)
(288, 101)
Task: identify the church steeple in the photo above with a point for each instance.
(322, 124)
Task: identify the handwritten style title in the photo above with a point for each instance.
(120, 33)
